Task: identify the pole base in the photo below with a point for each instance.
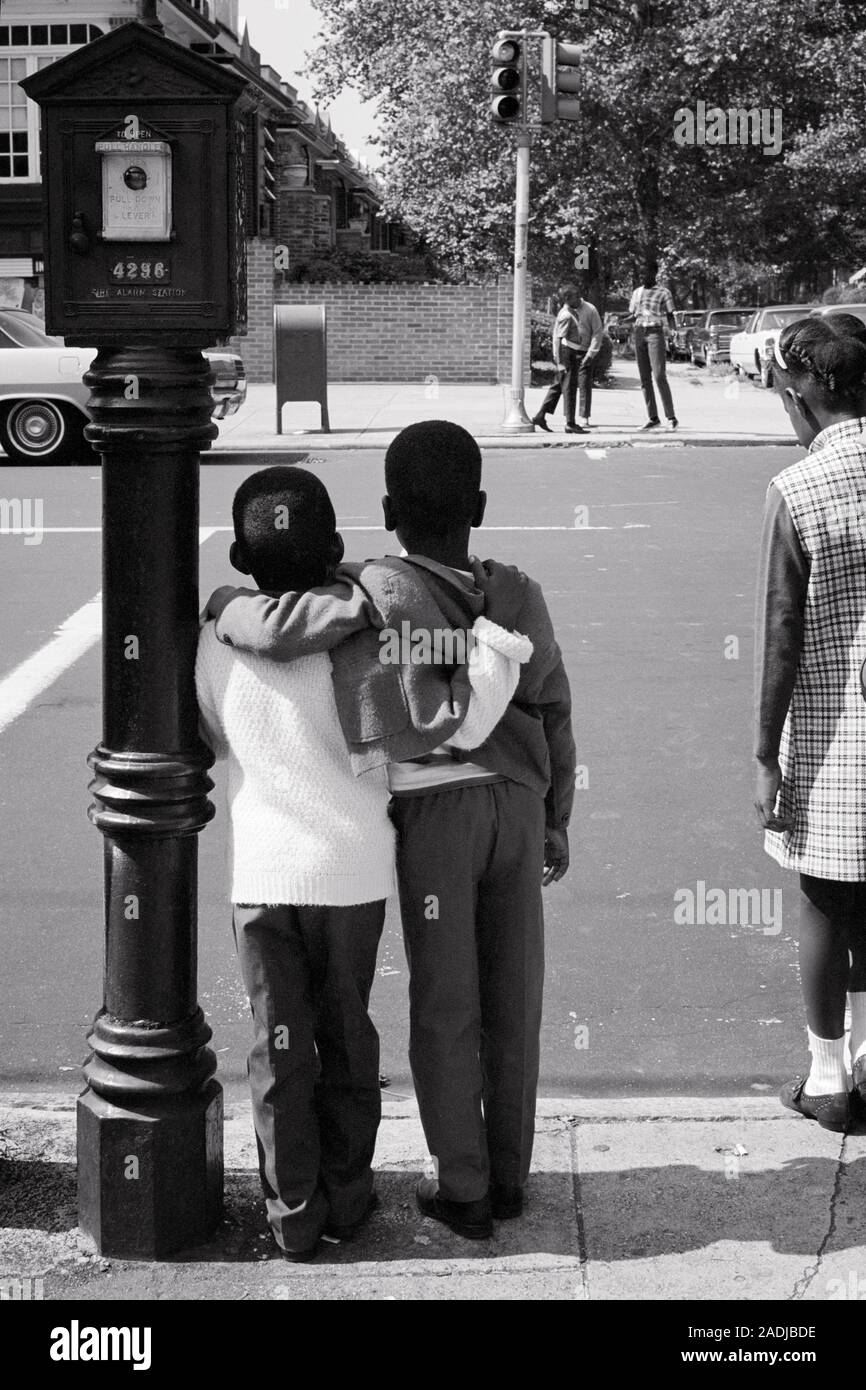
(150, 1180)
(516, 420)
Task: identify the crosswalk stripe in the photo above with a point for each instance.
(81, 630)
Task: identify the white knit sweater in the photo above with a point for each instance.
(304, 829)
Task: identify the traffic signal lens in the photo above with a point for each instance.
(506, 79)
(505, 51)
(506, 108)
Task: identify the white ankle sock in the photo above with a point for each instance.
(827, 1074)
(857, 1005)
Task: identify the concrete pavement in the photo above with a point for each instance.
(712, 408)
(672, 1199)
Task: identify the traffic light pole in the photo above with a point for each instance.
(516, 419)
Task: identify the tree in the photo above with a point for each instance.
(722, 218)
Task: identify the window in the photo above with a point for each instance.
(39, 35)
(19, 118)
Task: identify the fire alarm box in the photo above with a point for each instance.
(143, 177)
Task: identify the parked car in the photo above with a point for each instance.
(618, 326)
(43, 400)
(824, 310)
(711, 340)
(767, 354)
(747, 346)
(679, 340)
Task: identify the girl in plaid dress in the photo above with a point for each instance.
(810, 714)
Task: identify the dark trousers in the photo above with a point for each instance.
(469, 864)
(651, 354)
(314, 1064)
(577, 374)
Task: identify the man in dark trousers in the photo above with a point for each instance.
(577, 336)
(651, 304)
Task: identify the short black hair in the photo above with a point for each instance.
(285, 527)
(650, 272)
(433, 476)
(569, 291)
(827, 352)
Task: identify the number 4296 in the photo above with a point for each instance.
(141, 270)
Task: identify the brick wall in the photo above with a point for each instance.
(389, 332)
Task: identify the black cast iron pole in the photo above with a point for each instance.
(150, 1122)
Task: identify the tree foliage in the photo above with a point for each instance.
(725, 220)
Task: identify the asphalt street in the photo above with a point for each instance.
(647, 556)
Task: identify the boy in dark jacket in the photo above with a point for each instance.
(478, 834)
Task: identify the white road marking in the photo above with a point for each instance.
(81, 630)
(212, 530)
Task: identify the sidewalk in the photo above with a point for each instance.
(648, 1199)
(710, 409)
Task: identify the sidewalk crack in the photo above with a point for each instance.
(810, 1273)
(582, 1252)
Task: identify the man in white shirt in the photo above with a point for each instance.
(577, 335)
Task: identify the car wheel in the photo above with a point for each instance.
(35, 431)
(766, 376)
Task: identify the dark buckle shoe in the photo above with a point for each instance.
(541, 422)
(469, 1219)
(506, 1202)
(336, 1231)
(831, 1111)
(575, 429)
(651, 425)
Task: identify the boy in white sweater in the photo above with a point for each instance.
(312, 860)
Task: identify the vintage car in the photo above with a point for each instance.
(747, 346)
(711, 339)
(767, 354)
(43, 400)
(680, 338)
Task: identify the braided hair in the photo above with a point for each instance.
(830, 352)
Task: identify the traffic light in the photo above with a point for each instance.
(508, 80)
(560, 77)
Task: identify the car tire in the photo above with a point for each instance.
(41, 431)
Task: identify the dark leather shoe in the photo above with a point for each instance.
(336, 1231)
(301, 1257)
(469, 1219)
(652, 425)
(506, 1202)
(542, 424)
(831, 1111)
(575, 429)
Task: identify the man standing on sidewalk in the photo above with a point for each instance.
(577, 336)
(651, 304)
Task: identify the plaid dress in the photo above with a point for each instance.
(823, 749)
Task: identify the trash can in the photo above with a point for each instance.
(301, 357)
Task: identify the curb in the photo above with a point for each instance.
(268, 452)
(633, 1109)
